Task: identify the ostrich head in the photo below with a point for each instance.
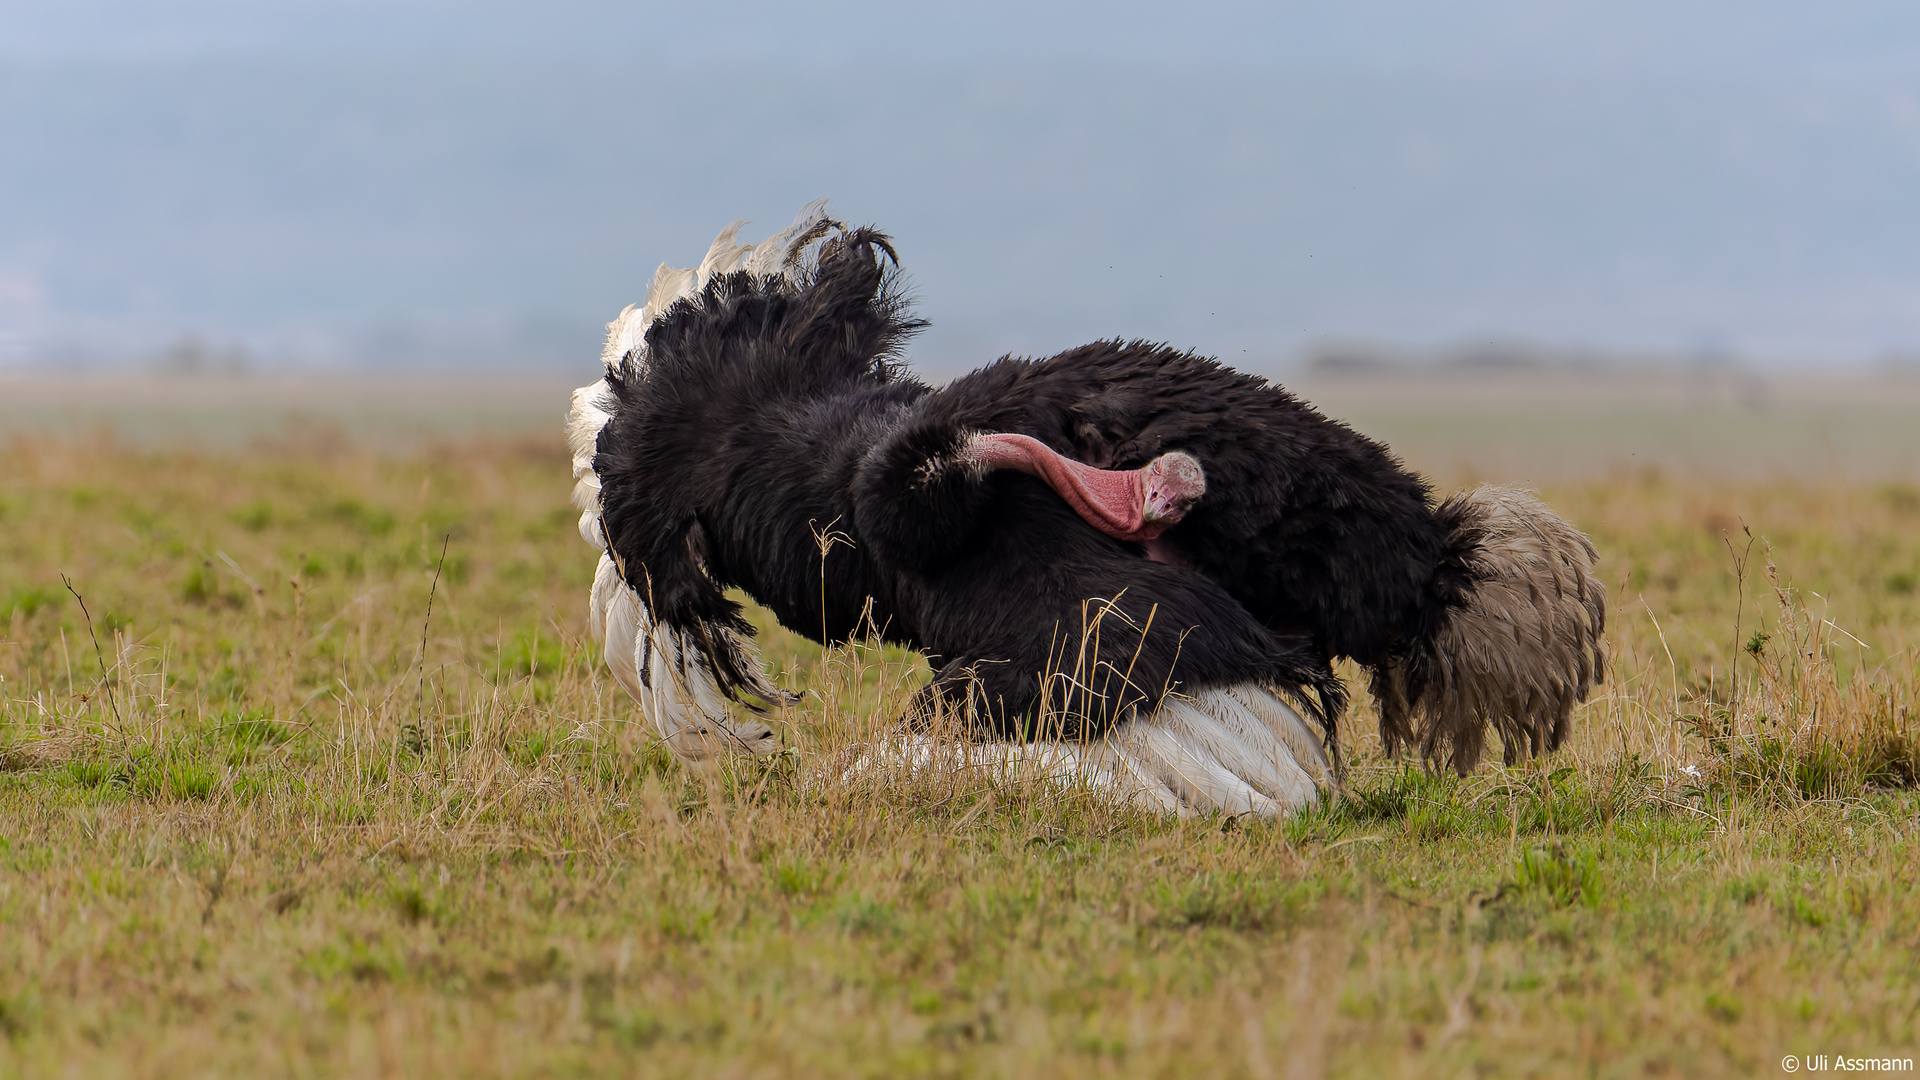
(1173, 482)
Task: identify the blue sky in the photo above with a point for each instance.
(350, 184)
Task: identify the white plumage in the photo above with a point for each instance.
(1235, 751)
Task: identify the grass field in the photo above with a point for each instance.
(261, 813)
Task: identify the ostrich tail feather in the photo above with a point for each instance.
(1518, 653)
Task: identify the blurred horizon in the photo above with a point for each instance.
(418, 185)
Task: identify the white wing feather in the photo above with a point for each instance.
(663, 671)
(1236, 751)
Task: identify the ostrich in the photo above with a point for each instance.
(1228, 541)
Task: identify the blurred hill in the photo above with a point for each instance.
(1532, 425)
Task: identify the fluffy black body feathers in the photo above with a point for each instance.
(770, 423)
(767, 437)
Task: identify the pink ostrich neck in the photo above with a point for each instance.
(1110, 500)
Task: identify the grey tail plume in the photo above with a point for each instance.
(1520, 648)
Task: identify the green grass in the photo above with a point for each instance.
(298, 829)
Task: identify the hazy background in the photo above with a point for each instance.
(415, 184)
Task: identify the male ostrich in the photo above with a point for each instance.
(1216, 540)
